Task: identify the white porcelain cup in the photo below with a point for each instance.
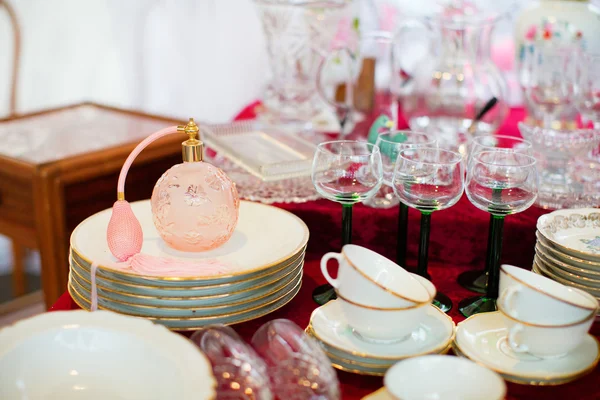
(545, 341)
(385, 325)
(367, 278)
(452, 378)
(535, 299)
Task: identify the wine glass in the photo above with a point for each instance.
(347, 172)
(476, 280)
(390, 145)
(587, 90)
(551, 84)
(501, 183)
(429, 179)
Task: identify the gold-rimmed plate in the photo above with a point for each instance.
(545, 271)
(566, 258)
(186, 312)
(222, 294)
(265, 236)
(195, 307)
(191, 324)
(575, 232)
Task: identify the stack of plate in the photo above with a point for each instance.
(568, 248)
(263, 262)
(349, 352)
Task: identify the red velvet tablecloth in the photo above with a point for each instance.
(458, 241)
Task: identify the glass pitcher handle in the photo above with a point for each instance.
(403, 74)
(343, 107)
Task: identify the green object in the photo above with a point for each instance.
(384, 124)
(325, 293)
(346, 224)
(424, 244)
(402, 235)
(487, 303)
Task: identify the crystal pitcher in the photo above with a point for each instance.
(442, 89)
(298, 34)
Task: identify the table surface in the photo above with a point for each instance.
(458, 240)
(71, 131)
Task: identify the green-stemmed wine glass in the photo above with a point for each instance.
(390, 145)
(501, 183)
(347, 172)
(429, 179)
(476, 280)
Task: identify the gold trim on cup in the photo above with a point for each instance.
(530, 380)
(296, 257)
(207, 297)
(204, 278)
(549, 294)
(592, 315)
(390, 291)
(418, 305)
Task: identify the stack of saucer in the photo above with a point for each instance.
(538, 336)
(568, 248)
(383, 314)
(261, 270)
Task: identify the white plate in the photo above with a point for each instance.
(330, 327)
(553, 275)
(265, 236)
(101, 355)
(575, 232)
(482, 337)
(540, 259)
(566, 258)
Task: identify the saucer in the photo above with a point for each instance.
(482, 338)
(329, 326)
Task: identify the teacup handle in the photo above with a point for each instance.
(513, 339)
(507, 300)
(327, 257)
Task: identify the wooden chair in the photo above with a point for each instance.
(18, 243)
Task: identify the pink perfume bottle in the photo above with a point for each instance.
(194, 204)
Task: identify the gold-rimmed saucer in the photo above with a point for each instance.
(480, 338)
(348, 351)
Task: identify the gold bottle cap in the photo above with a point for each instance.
(191, 149)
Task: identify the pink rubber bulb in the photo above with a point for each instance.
(124, 234)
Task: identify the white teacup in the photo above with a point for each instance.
(385, 325)
(369, 279)
(535, 299)
(454, 379)
(545, 341)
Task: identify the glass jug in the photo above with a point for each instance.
(355, 81)
(298, 34)
(442, 89)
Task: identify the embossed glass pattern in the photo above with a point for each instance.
(298, 367)
(298, 34)
(195, 206)
(239, 371)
